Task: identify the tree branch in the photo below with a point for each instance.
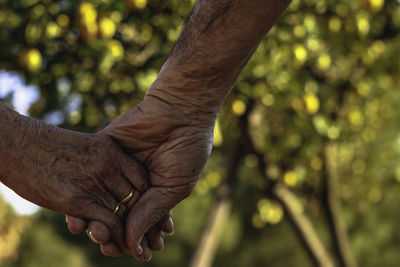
(301, 224)
(331, 199)
(332, 210)
(212, 233)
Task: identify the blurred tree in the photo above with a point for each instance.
(11, 226)
(308, 140)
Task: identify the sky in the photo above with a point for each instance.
(22, 95)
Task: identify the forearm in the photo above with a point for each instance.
(216, 43)
(30, 152)
(16, 134)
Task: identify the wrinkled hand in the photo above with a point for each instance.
(99, 230)
(100, 234)
(83, 175)
(173, 147)
(91, 185)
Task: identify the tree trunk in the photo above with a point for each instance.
(211, 235)
(331, 202)
(303, 226)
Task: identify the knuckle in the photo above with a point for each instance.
(114, 222)
(181, 192)
(82, 206)
(105, 154)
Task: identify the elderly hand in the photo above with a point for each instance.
(173, 147)
(83, 175)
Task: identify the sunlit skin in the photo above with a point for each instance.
(171, 130)
(74, 173)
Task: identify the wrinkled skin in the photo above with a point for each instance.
(90, 185)
(73, 173)
(173, 147)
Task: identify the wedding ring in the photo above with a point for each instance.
(128, 197)
(125, 200)
(116, 208)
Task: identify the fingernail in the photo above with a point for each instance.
(170, 233)
(171, 229)
(139, 250)
(148, 259)
(90, 235)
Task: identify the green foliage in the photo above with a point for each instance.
(325, 79)
(42, 246)
(11, 225)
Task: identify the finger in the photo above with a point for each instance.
(98, 232)
(166, 224)
(155, 238)
(118, 186)
(136, 195)
(122, 208)
(110, 249)
(146, 255)
(75, 225)
(109, 202)
(146, 250)
(112, 222)
(134, 173)
(102, 211)
(151, 207)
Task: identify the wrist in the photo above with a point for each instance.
(187, 99)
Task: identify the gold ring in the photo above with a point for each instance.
(128, 197)
(117, 208)
(125, 200)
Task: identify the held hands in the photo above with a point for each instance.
(82, 175)
(174, 148)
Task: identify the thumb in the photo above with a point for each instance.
(154, 204)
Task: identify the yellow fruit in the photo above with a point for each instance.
(270, 211)
(87, 14)
(238, 107)
(312, 103)
(324, 62)
(116, 49)
(84, 7)
(31, 60)
(89, 31)
(376, 5)
(136, 4)
(62, 20)
(363, 23)
(87, 18)
(335, 24)
(300, 53)
(107, 27)
(356, 118)
(53, 30)
(290, 178)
